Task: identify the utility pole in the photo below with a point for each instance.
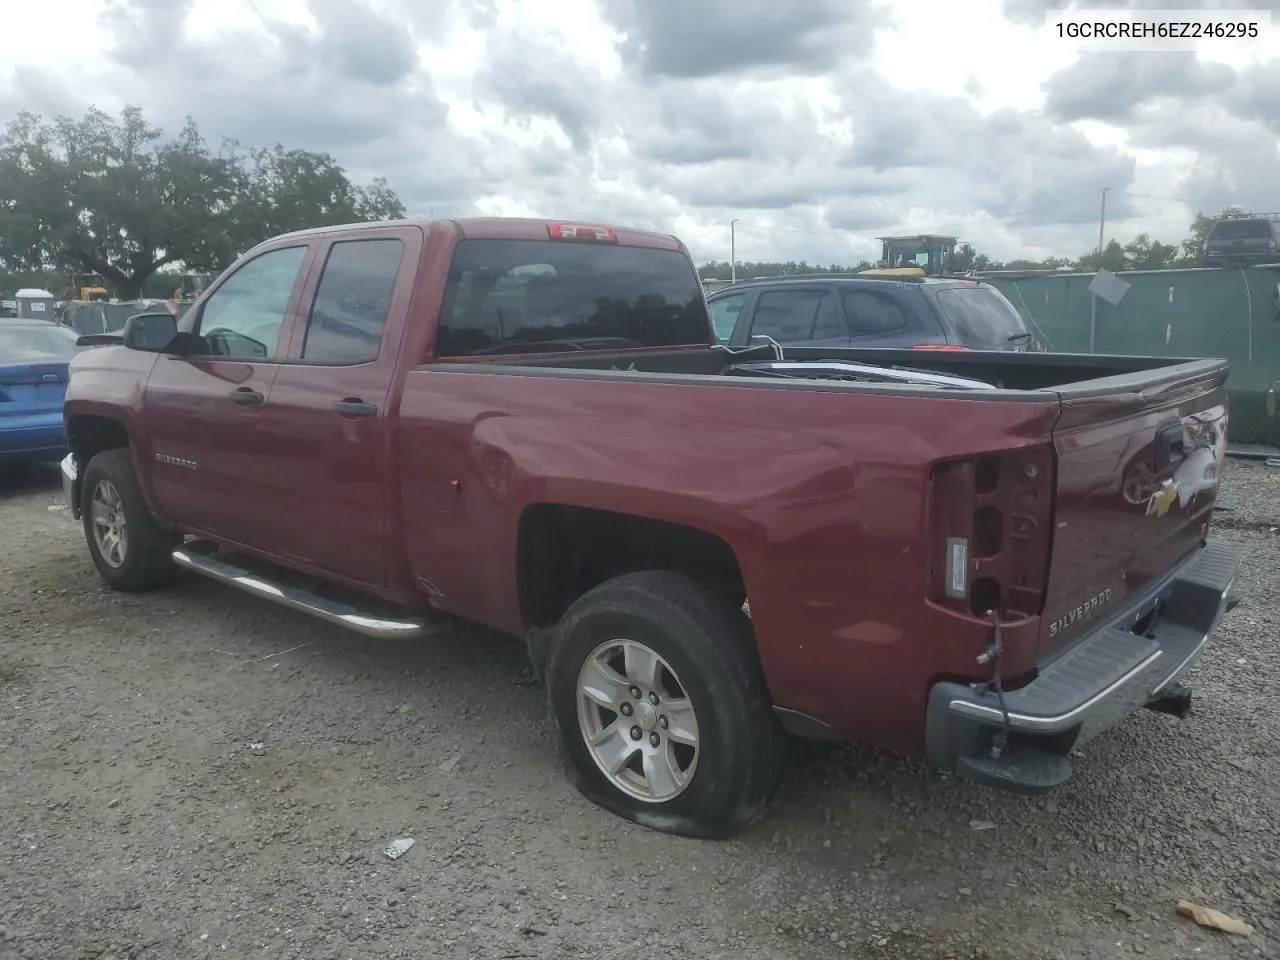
(1102, 223)
(733, 252)
(1093, 302)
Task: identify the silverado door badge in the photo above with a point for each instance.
(176, 461)
(1158, 503)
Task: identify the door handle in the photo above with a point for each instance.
(245, 396)
(354, 407)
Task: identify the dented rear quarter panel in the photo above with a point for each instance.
(820, 494)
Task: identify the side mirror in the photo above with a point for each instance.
(151, 332)
(159, 333)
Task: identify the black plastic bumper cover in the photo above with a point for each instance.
(1096, 682)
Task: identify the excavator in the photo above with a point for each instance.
(188, 290)
(190, 286)
(927, 255)
(90, 288)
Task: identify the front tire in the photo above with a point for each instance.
(131, 550)
(661, 708)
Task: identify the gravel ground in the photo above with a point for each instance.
(138, 821)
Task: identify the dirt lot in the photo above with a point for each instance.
(138, 821)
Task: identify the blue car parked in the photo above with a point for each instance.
(34, 355)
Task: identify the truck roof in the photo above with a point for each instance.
(495, 228)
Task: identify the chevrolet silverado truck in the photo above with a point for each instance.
(980, 558)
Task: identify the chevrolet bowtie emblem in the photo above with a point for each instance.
(1158, 503)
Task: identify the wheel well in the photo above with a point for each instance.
(564, 551)
(88, 435)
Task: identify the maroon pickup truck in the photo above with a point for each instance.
(983, 559)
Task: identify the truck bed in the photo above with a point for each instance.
(1068, 375)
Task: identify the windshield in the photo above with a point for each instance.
(20, 344)
(508, 296)
(982, 319)
(1241, 230)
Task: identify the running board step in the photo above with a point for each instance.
(202, 557)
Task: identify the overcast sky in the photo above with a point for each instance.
(818, 130)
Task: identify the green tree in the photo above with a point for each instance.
(111, 196)
(966, 258)
(285, 190)
(57, 283)
(1143, 253)
(1111, 258)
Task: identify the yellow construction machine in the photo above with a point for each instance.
(927, 255)
(90, 288)
(190, 286)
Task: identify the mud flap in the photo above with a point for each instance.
(538, 643)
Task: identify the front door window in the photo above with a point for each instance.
(242, 319)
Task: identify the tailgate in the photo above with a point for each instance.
(1138, 470)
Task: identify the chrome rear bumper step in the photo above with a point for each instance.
(200, 556)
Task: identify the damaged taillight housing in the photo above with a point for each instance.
(990, 529)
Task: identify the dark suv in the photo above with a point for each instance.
(868, 311)
(1242, 240)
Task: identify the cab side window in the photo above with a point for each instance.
(243, 317)
(724, 315)
(352, 301)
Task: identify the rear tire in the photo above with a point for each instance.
(709, 751)
(132, 552)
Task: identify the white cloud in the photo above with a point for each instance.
(816, 132)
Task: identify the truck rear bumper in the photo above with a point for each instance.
(1135, 659)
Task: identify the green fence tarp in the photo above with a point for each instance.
(1229, 313)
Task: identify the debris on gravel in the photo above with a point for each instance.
(155, 804)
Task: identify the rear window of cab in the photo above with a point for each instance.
(541, 296)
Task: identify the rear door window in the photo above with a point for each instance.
(982, 319)
(791, 316)
(352, 301)
(870, 313)
(526, 296)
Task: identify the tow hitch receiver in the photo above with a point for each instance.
(1176, 700)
